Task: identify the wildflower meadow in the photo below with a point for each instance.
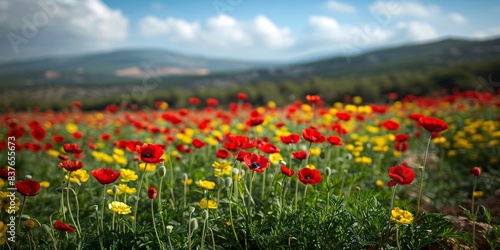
(399, 174)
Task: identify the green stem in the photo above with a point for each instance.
(102, 208)
(138, 196)
(392, 197)
(397, 238)
(421, 190)
(474, 214)
(154, 225)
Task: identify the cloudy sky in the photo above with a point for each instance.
(285, 30)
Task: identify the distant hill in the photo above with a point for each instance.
(118, 65)
(188, 72)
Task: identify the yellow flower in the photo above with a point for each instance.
(379, 183)
(128, 175)
(311, 166)
(271, 104)
(188, 182)
(478, 194)
(2, 183)
(3, 231)
(275, 158)
(5, 200)
(221, 164)
(206, 184)
(149, 167)
(71, 128)
(210, 204)
(401, 216)
(222, 168)
(79, 176)
(315, 151)
(122, 188)
(121, 160)
(357, 100)
(53, 153)
(44, 184)
(118, 151)
(119, 207)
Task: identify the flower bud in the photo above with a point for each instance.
(204, 214)
(169, 229)
(25, 216)
(29, 224)
(236, 171)
(328, 171)
(115, 189)
(476, 171)
(191, 209)
(46, 229)
(228, 181)
(185, 177)
(162, 171)
(193, 224)
(29, 177)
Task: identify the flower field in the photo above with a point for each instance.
(310, 175)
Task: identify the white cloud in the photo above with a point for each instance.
(340, 7)
(220, 31)
(416, 31)
(323, 29)
(51, 27)
(176, 29)
(404, 8)
(457, 18)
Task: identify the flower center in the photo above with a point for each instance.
(254, 165)
(147, 155)
(308, 177)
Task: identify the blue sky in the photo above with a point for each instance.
(242, 29)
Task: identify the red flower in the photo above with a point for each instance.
(254, 121)
(269, 148)
(344, 116)
(194, 100)
(402, 137)
(390, 125)
(71, 165)
(132, 145)
(400, 175)
(290, 139)
(313, 135)
(286, 171)
(222, 153)
(432, 124)
(4, 173)
(236, 142)
(27, 187)
(197, 143)
(313, 98)
(38, 133)
(61, 226)
(241, 96)
(415, 116)
(105, 175)
(150, 153)
(256, 162)
(241, 155)
(334, 140)
(57, 138)
(401, 146)
(77, 135)
(476, 171)
(212, 102)
(152, 192)
(72, 148)
(309, 176)
(299, 155)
